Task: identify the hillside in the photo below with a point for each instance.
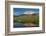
(29, 18)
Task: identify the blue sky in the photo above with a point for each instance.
(19, 11)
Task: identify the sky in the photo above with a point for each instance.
(19, 11)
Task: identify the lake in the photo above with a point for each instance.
(20, 25)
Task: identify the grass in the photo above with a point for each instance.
(27, 19)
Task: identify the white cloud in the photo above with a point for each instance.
(29, 12)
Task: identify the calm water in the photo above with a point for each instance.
(18, 25)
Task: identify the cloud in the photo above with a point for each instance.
(29, 12)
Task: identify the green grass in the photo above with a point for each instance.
(27, 19)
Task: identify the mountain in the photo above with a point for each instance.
(28, 13)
